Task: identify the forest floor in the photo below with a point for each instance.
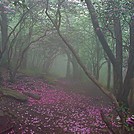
(68, 107)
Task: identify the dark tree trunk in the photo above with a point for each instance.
(99, 33)
(131, 96)
(118, 68)
(24, 61)
(116, 83)
(75, 69)
(130, 70)
(1, 78)
(4, 28)
(12, 75)
(4, 35)
(108, 74)
(116, 61)
(68, 72)
(46, 67)
(97, 59)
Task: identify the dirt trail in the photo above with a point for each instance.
(62, 109)
(87, 89)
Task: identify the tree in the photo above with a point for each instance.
(21, 35)
(68, 45)
(122, 90)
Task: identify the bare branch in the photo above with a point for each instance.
(22, 17)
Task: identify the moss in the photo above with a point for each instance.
(34, 96)
(12, 93)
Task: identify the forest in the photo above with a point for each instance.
(66, 66)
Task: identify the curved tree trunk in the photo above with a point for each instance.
(105, 46)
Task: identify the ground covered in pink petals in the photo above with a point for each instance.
(57, 112)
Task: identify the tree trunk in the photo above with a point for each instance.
(116, 61)
(108, 73)
(131, 96)
(1, 78)
(4, 35)
(75, 68)
(4, 28)
(118, 68)
(87, 73)
(116, 83)
(68, 72)
(24, 61)
(99, 33)
(97, 58)
(130, 70)
(12, 75)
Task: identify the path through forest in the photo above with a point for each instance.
(61, 109)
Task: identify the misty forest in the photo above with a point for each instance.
(66, 67)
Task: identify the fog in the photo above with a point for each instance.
(66, 67)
